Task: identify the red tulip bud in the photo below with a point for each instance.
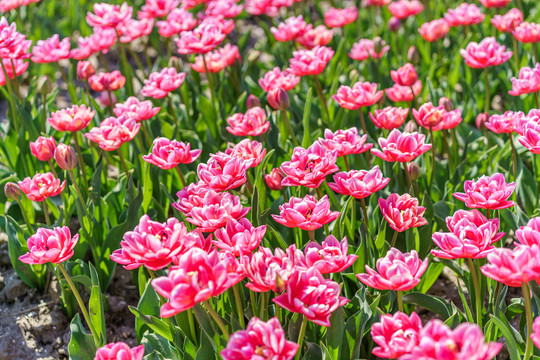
(278, 99)
(12, 191)
(65, 157)
(252, 101)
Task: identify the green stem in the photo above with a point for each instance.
(103, 62)
(399, 295)
(529, 315)
(487, 101)
(191, 324)
(173, 112)
(182, 179)
(408, 178)
(71, 89)
(536, 100)
(82, 169)
(239, 306)
(318, 86)
(122, 161)
(476, 285)
(364, 129)
(433, 154)
(514, 156)
(77, 189)
(46, 212)
(111, 106)
(394, 238)
(217, 319)
(80, 302)
(25, 217)
(364, 212)
(289, 127)
(301, 337)
(211, 86)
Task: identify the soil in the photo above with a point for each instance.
(34, 326)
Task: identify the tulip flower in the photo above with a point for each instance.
(535, 336)
(402, 9)
(191, 196)
(50, 245)
(315, 36)
(396, 334)
(306, 213)
(513, 267)
(43, 148)
(402, 212)
(527, 32)
(345, 142)
(217, 60)
(223, 172)
(310, 62)
(41, 186)
(528, 81)
(360, 95)
(153, 9)
(389, 118)
(340, 17)
(486, 53)
(359, 183)
(107, 81)
(398, 93)
(51, 50)
(65, 157)
(276, 79)
(216, 209)
(119, 351)
(109, 15)
(167, 154)
(72, 119)
(113, 132)
(365, 48)
(310, 294)
(177, 21)
(252, 123)
(274, 179)
(135, 109)
(247, 150)
(405, 75)
(488, 192)
(464, 14)
(239, 237)
(434, 30)
(289, 29)
(529, 235)
(402, 147)
(508, 21)
(204, 38)
(328, 257)
(85, 69)
(160, 84)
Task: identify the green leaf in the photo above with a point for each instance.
(81, 346)
(436, 304)
(334, 334)
(95, 306)
(511, 342)
(306, 140)
(154, 323)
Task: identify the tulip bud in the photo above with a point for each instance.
(85, 69)
(378, 44)
(43, 148)
(44, 85)
(278, 99)
(65, 157)
(411, 127)
(447, 103)
(273, 180)
(175, 63)
(481, 120)
(412, 55)
(253, 56)
(252, 101)
(12, 191)
(394, 24)
(414, 171)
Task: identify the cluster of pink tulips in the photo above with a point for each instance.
(279, 187)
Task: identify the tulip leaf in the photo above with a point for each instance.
(433, 303)
(154, 323)
(334, 334)
(81, 346)
(95, 306)
(508, 334)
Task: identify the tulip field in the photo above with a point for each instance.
(276, 179)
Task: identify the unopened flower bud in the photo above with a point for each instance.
(85, 69)
(447, 103)
(394, 24)
(12, 191)
(273, 180)
(378, 44)
(44, 85)
(411, 126)
(278, 99)
(65, 157)
(481, 120)
(43, 148)
(252, 101)
(414, 171)
(413, 56)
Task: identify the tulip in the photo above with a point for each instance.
(527, 32)
(360, 95)
(402, 147)
(119, 351)
(107, 81)
(365, 49)
(486, 53)
(260, 340)
(239, 237)
(508, 21)
(535, 336)
(41, 186)
(345, 142)
(359, 184)
(389, 117)
(224, 172)
(528, 81)
(529, 235)
(306, 213)
(328, 257)
(289, 29)
(252, 123)
(12, 191)
(402, 212)
(274, 179)
(160, 84)
(216, 209)
(340, 17)
(153, 9)
(113, 132)
(276, 79)
(51, 50)
(108, 15)
(43, 148)
(204, 38)
(247, 150)
(71, 119)
(464, 14)
(315, 36)
(434, 30)
(85, 69)
(310, 62)
(178, 20)
(50, 245)
(167, 154)
(405, 75)
(513, 267)
(398, 93)
(190, 197)
(310, 294)
(65, 157)
(396, 334)
(488, 192)
(402, 9)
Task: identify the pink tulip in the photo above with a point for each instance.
(359, 183)
(402, 212)
(13, 45)
(402, 9)
(488, 192)
(340, 17)
(505, 123)
(396, 334)
(216, 209)
(113, 132)
(330, 256)
(276, 79)
(306, 213)
(436, 117)
(14, 68)
(41, 186)
(405, 75)
(274, 179)
(278, 99)
(309, 167)
(486, 53)
(313, 36)
(365, 48)
(191, 196)
(119, 351)
(289, 29)
(310, 62)
(43, 148)
(167, 154)
(310, 294)
(529, 235)
(495, 3)
(247, 150)
(402, 147)
(530, 137)
(109, 15)
(379, 3)
(160, 84)
(513, 267)
(389, 118)
(100, 41)
(155, 245)
(437, 341)
(360, 95)
(204, 38)
(239, 237)
(225, 8)
(464, 14)
(72, 119)
(396, 271)
(105, 101)
(264, 340)
(535, 336)
(226, 26)
(50, 245)
(107, 81)
(197, 277)
(508, 21)
(217, 60)
(527, 32)
(51, 50)
(252, 123)
(345, 142)
(178, 20)
(135, 109)
(153, 9)
(65, 157)
(398, 93)
(528, 81)
(134, 29)
(471, 236)
(223, 172)
(85, 69)
(434, 30)
(267, 270)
